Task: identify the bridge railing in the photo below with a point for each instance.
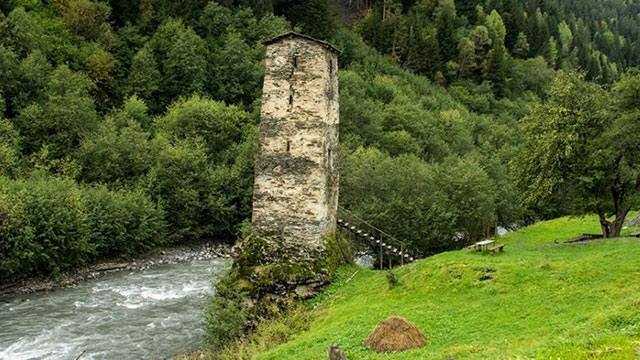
(389, 249)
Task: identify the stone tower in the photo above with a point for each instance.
(295, 195)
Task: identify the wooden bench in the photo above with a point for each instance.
(486, 246)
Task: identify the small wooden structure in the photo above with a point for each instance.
(487, 246)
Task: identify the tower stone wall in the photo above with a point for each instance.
(296, 172)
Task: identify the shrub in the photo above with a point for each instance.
(55, 235)
(116, 154)
(9, 151)
(400, 195)
(63, 119)
(225, 315)
(16, 235)
(392, 279)
(189, 188)
(217, 125)
(123, 222)
(50, 224)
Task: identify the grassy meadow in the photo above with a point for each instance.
(541, 299)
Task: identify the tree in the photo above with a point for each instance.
(9, 79)
(144, 76)
(86, 18)
(185, 67)
(100, 68)
(184, 181)
(482, 43)
(63, 119)
(566, 40)
(399, 195)
(423, 50)
(114, 154)
(467, 58)
(470, 194)
(238, 72)
(445, 21)
(181, 56)
(576, 150)
(551, 53)
(495, 65)
(314, 17)
(218, 126)
(521, 48)
(20, 32)
(214, 21)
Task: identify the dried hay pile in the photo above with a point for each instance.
(395, 334)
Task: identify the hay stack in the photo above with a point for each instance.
(395, 334)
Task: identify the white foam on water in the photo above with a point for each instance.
(42, 346)
(151, 314)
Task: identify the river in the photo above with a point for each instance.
(150, 314)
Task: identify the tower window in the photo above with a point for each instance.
(295, 61)
(288, 146)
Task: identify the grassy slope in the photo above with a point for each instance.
(545, 301)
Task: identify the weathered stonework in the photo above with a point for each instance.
(296, 177)
(293, 250)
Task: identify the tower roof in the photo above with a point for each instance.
(292, 34)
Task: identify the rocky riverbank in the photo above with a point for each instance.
(155, 258)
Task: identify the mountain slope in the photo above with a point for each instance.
(539, 299)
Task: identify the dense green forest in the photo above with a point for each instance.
(130, 124)
(478, 40)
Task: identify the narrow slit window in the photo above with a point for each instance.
(288, 146)
(295, 61)
(330, 66)
(291, 100)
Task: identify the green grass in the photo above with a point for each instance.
(544, 300)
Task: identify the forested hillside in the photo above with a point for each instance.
(477, 40)
(128, 124)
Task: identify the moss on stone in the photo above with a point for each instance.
(263, 281)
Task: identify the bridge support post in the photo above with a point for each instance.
(381, 258)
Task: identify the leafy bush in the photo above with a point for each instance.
(188, 186)
(400, 195)
(116, 154)
(48, 225)
(55, 233)
(471, 195)
(9, 151)
(225, 315)
(122, 222)
(218, 126)
(64, 118)
(392, 279)
(17, 245)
